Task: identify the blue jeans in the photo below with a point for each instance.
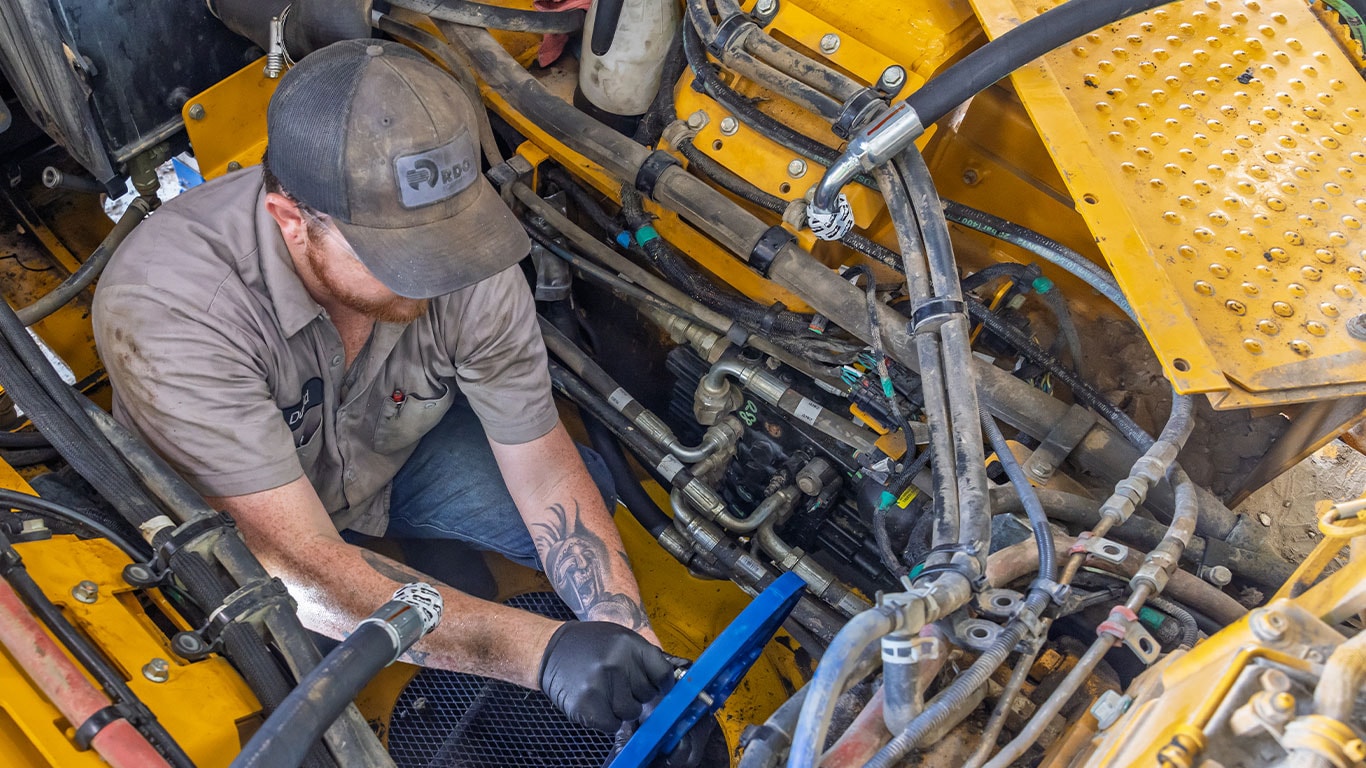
(451, 489)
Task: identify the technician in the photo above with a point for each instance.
(341, 342)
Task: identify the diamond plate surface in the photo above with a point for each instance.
(1217, 150)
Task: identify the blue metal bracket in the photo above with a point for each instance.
(713, 677)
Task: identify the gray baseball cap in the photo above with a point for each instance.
(383, 142)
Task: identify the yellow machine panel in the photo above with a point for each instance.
(1239, 125)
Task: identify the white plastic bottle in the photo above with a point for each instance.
(624, 80)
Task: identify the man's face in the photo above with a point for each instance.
(335, 265)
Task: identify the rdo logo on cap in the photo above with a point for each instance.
(437, 174)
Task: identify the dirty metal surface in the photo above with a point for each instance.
(1217, 150)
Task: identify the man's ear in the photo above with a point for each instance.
(293, 225)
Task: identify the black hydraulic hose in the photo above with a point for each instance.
(90, 269)
(1190, 631)
(488, 16)
(662, 111)
(1016, 48)
(10, 441)
(298, 722)
(29, 457)
(674, 267)
(89, 455)
(87, 655)
(1038, 519)
(608, 15)
(35, 505)
(1081, 389)
(330, 687)
(629, 490)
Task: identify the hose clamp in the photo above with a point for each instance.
(654, 166)
(244, 605)
(730, 34)
(92, 726)
(157, 571)
(934, 313)
(856, 111)
(770, 243)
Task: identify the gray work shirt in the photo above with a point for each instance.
(227, 367)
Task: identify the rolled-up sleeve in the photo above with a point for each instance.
(194, 390)
(501, 360)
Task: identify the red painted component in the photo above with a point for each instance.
(61, 681)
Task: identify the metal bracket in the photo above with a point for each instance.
(1125, 626)
(999, 604)
(1065, 436)
(977, 634)
(1105, 549)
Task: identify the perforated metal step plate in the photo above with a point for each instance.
(1217, 150)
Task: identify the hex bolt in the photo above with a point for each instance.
(729, 126)
(234, 166)
(1218, 575)
(830, 42)
(1041, 471)
(892, 79)
(1356, 327)
(970, 177)
(797, 168)
(196, 111)
(158, 670)
(1267, 625)
(698, 119)
(766, 7)
(87, 591)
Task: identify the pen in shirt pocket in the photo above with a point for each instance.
(399, 397)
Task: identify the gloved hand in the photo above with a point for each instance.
(600, 674)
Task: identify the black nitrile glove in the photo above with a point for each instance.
(600, 674)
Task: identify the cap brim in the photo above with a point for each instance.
(435, 259)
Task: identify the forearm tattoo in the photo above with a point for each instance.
(578, 565)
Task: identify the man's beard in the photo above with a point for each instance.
(394, 310)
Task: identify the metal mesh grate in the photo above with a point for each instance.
(452, 720)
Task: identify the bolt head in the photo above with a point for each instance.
(157, 670)
(830, 42)
(1267, 625)
(196, 111)
(893, 78)
(234, 166)
(797, 168)
(1356, 327)
(698, 119)
(729, 126)
(970, 177)
(87, 591)
(765, 7)
(1220, 576)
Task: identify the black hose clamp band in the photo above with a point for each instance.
(773, 240)
(933, 313)
(92, 726)
(856, 111)
(160, 565)
(243, 605)
(728, 33)
(770, 317)
(654, 166)
(737, 334)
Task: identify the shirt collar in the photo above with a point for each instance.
(294, 307)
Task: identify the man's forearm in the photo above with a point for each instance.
(574, 534)
(339, 584)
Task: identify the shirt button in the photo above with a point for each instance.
(336, 360)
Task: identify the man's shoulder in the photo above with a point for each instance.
(193, 243)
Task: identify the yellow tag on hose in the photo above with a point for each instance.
(907, 497)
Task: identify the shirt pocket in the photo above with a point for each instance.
(401, 424)
(307, 451)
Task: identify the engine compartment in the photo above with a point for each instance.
(837, 300)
